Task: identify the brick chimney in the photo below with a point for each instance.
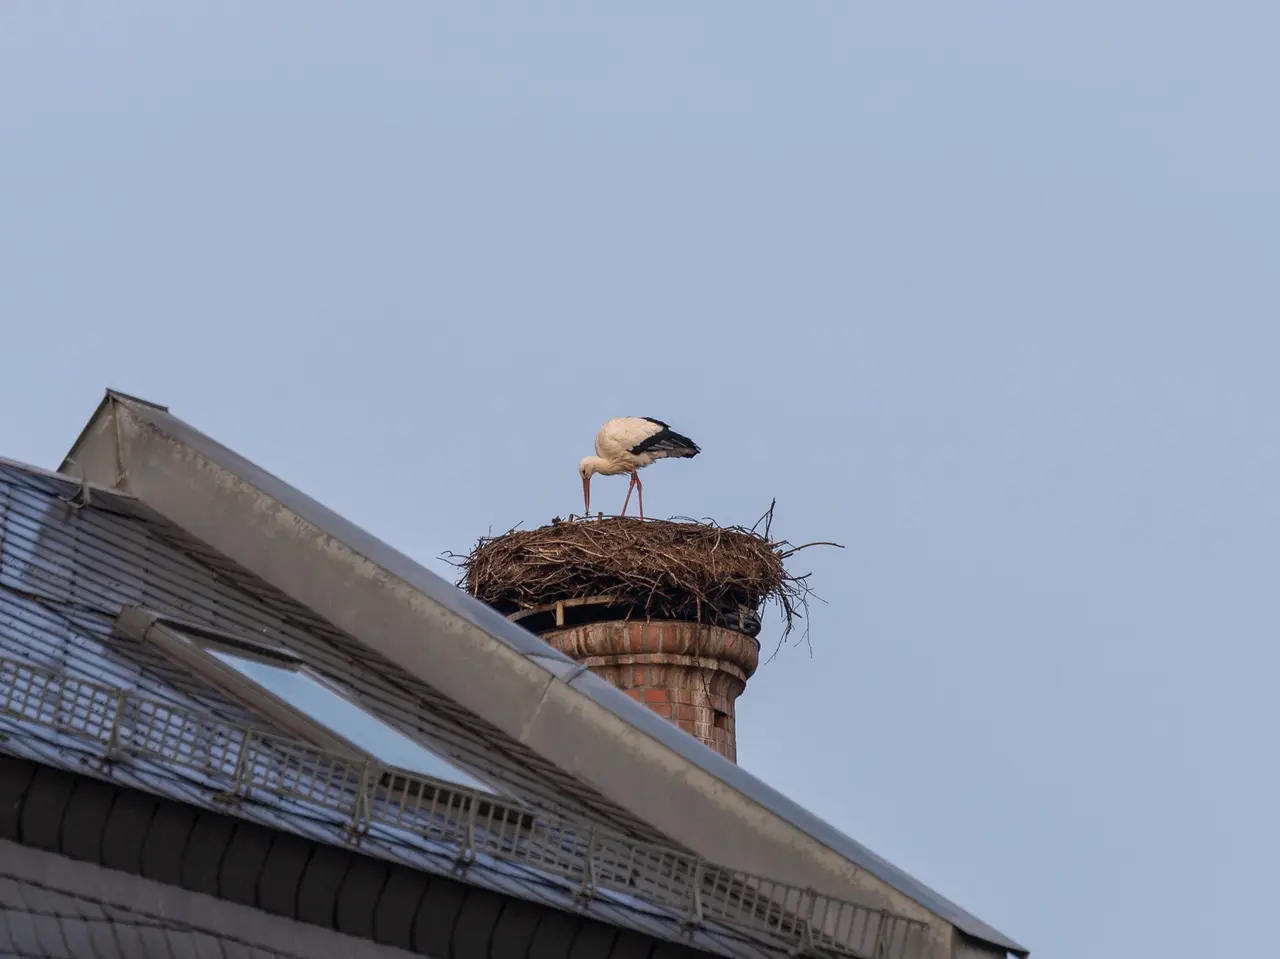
(689, 673)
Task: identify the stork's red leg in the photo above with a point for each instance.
(635, 478)
(628, 499)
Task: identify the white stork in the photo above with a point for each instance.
(630, 443)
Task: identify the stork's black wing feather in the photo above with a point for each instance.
(666, 442)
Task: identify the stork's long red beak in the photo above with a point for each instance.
(586, 495)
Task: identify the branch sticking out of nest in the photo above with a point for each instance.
(670, 569)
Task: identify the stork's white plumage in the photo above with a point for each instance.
(628, 444)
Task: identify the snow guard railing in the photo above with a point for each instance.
(369, 797)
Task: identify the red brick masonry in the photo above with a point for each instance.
(690, 674)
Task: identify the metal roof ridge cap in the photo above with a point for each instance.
(130, 398)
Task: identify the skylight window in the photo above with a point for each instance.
(321, 702)
(273, 682)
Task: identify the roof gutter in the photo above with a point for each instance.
(495, 668)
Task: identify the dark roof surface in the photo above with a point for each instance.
(529, 645)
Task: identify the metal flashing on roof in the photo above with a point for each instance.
(438, 634)
(136, 399)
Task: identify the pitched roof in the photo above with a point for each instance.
(536, 696)
(73, 681)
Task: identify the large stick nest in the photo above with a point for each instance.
(664, 569)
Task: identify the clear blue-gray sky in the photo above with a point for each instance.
(986, 291)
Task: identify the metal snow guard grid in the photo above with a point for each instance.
(367, 794)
